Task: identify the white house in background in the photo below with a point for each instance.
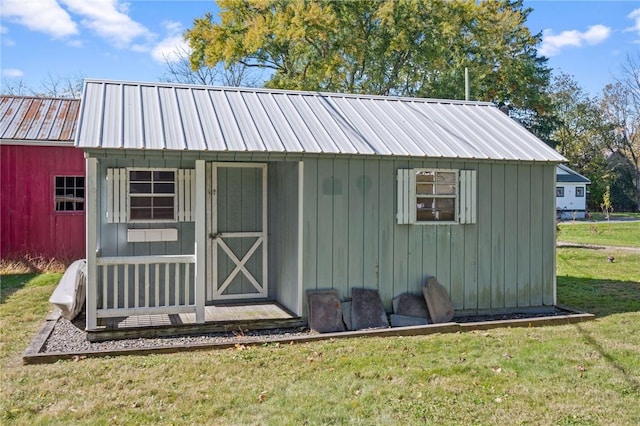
(571, 193)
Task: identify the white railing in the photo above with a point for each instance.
(138, 285)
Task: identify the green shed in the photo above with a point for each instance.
(201, 195)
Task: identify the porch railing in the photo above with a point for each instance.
(138, 285)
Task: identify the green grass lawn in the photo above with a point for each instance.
(580, 374)
(625, 234)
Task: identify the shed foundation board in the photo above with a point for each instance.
(438, 301)
(367, 310)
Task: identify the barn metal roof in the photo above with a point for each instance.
(166, 116)
(38, 120)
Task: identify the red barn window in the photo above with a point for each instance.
(69, 193)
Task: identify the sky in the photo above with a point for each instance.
(132, 40)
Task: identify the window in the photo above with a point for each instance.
(559, 191)
(436, 196)
(436, 193)
(69, 193)
(152, 195)
(579, 191)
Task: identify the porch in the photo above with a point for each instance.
(228, 317)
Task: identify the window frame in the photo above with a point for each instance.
(415, 196)
(579, 191)
(174, 194)
(559, 191)
(75, 187)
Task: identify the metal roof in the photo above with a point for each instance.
(38, 120)
(166, 116)
(565, 174)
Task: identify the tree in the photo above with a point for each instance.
(581, 133)
(179, 71)
(621, 106)
(382, 47)
(69, 86)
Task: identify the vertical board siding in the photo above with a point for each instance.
(370, 186)
(524, 230)
(385, 230)
(498, 204)
(511, 228)
(484, 236)
(356, 214)
(341, 225)
(29, 224)
(490, 264)
(326, 215)
(283, 230)
(549, 239)
(536, 255)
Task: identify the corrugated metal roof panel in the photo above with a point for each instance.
(166, 116)
(38, 120)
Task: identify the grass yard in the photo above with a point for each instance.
(625, 234)
(581, 374)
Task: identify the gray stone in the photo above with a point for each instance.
(406, 320)
(346, 313)
(438, 301)
(412, 305)
(325, 311)
(367, 310)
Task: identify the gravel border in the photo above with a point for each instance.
(63, 339)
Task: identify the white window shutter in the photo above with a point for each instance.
(467, 201)
(406, 196)
(116, 195)
(186, 195)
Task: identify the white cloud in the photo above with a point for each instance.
(552, 44)
(12, 73)
(172, 47)
(108, 19)
(45, 16)
(3, 29)
(635, 15)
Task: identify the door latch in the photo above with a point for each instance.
(213, 236)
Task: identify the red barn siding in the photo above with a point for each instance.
(29, 223)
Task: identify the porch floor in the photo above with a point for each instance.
(218, 318)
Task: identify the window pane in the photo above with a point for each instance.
(140, 188)
(424, 188)
(164, 176)
(425, 176)
(141, 213)
(140, 202)
(163, 202)
(163, 188)
(138, 175)
(163, 213)
(69, 193)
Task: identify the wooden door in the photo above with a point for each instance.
(238, 231)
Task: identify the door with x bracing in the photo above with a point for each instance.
(238, 231)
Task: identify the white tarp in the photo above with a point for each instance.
(69, 295)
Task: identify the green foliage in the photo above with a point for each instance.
(408, 48)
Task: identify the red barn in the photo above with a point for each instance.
(42, 177)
